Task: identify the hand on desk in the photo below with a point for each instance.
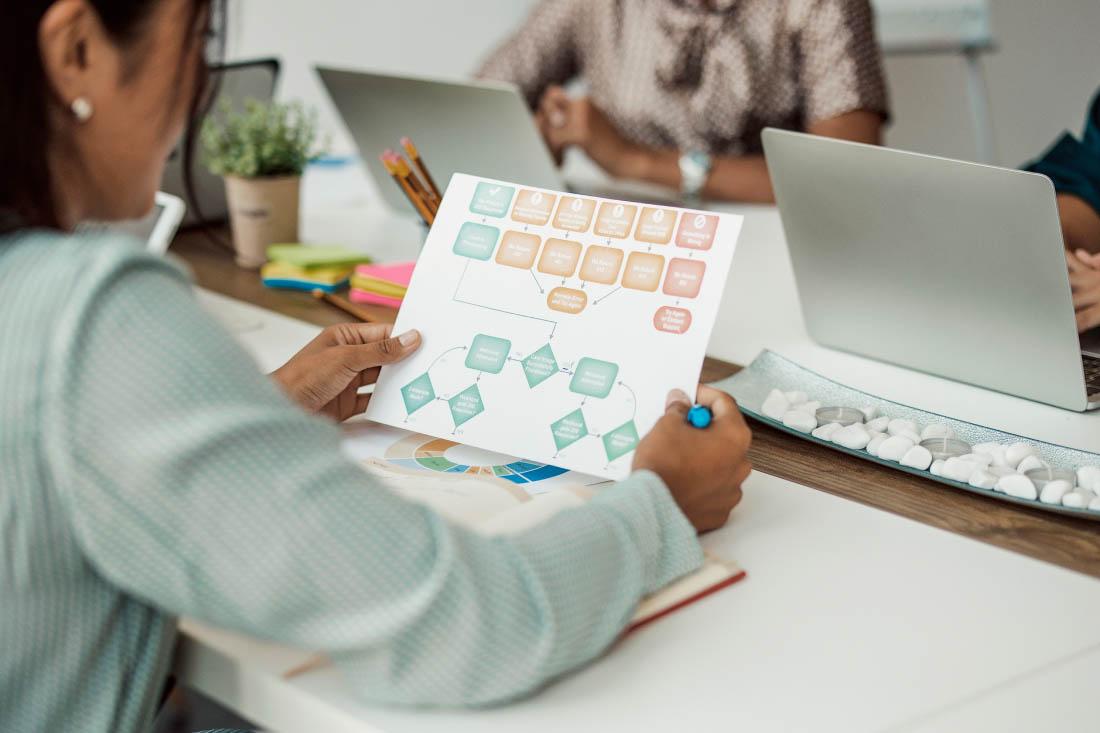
(703, 468)
(565, 121)
(326, 375)
(1084, 279)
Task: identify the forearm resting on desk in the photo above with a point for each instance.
(738, 178)
(1080, 224)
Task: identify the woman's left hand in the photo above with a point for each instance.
(326, 375)
(1084, 279)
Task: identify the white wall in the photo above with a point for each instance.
(1040, 79)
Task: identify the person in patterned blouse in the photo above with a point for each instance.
(678, 91)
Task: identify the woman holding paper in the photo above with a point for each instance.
(149, 470)
(678, 91)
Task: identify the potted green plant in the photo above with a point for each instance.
(260, 154)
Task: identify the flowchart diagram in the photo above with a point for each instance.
(547, 315)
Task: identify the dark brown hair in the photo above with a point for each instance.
(26, 191)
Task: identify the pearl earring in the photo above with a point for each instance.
(82, 109)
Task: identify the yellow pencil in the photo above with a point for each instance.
(418, 161)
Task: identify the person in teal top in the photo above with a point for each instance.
(149, 471)
(1073, 165)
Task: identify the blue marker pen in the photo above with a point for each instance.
(699, 416)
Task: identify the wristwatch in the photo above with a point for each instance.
(694, 168)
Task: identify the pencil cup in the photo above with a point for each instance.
(262, 212)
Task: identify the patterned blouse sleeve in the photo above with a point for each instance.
(841, 68)
(542, 52)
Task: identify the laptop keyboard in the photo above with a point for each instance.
(1092, 375)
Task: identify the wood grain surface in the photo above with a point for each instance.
(1066, 541)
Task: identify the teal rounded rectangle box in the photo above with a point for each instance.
(491, 199)
(593, 377)
(488, 353)
(476, 241)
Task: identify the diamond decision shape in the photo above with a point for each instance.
(569, 429)
(466, 404)
(418, 393)
(620, 441)
(540, 366)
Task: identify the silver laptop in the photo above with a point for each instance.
(482, 128)
(951, 268)
(236, 82)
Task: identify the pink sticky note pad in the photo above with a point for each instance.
(398, 272)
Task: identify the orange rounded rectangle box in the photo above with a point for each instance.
(615, 219)
(560, 257)
(643, 271)
(567, 300)
(672, 320)
(518, 249)
(655, 225)
(574, 214)
(696, 230)
(533, 207)
(601, 264)
(684, 278)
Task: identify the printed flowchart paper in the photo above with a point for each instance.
(554, 325)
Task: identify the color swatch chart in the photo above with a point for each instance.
(555, 324)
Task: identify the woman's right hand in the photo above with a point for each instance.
(703, 468)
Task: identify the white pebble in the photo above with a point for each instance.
(894, 448)
(982, 459)
(959, 470)
(1078, 498)
(810, 408)
(897, 425)
(1031, 462)
(776, 405)
(936, 469)
(999, 471)
(825, 432)
(911, 435)
(878, 425)
(917, 457)
(1018, 452)
(986, 448)
(1088, 477)
(803, 422)
(797, 398)
(982, 479)
(1095, 504)
(1054, 491)
(994, 450)
(854, 437)
(937, 431)
(1018, 486)
(869, 413)
(875, 442)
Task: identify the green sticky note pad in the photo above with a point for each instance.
(319, 255)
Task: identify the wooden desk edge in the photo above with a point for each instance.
(1061, 540)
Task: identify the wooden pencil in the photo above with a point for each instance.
(406, 172)
(389, 159)
(344, 305)
(418, 161)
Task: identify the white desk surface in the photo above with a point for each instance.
(851, 619)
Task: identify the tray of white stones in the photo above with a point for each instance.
(966, 456)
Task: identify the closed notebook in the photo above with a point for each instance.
(494, 506)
